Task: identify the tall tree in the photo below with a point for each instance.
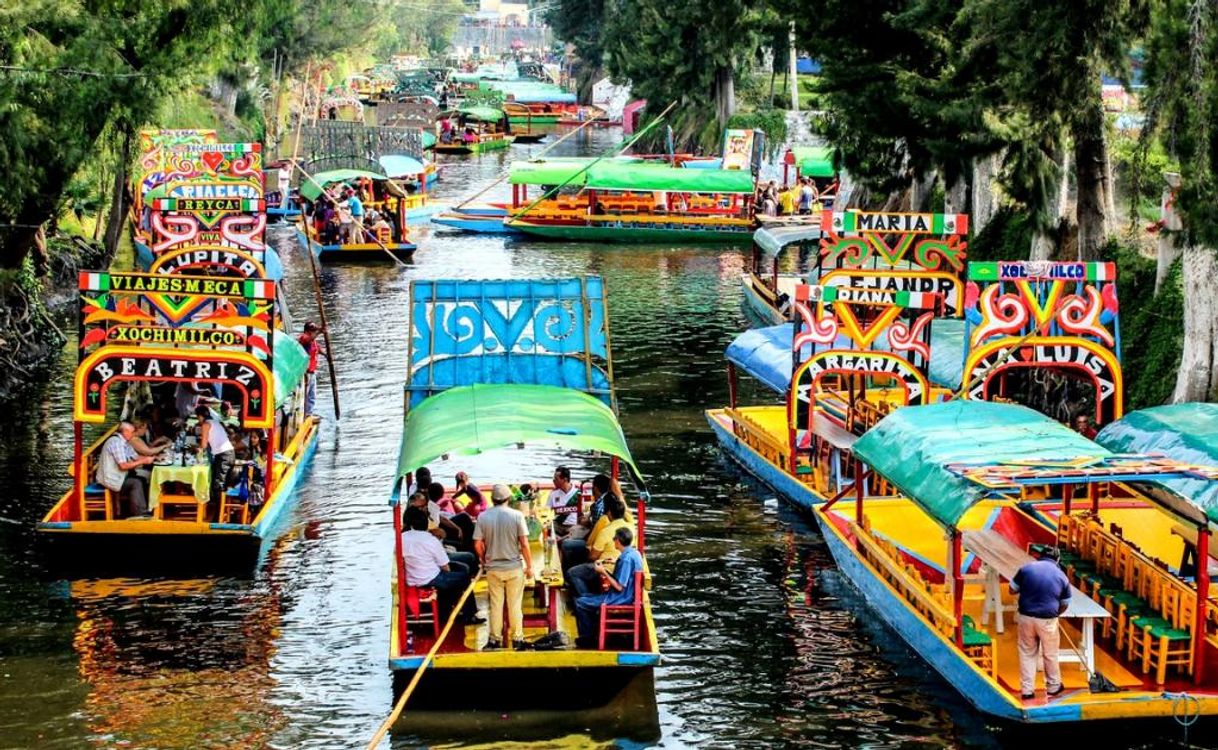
(1182, 75)
(75, 66)
(688, 51)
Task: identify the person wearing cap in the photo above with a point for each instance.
(501, 539)
(308, 340)
(1044, 594)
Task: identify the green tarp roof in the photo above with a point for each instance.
(290, 365)
(913, 446)
(814, 161)
(548, 172)
(309, 189)
(475, 418)
(482, 114)
(652, 177)
(1184, 432)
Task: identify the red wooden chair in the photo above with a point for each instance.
(624, 618)
(416, 598)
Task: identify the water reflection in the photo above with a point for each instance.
(765, 644)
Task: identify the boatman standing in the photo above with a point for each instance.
(1044, 594)
(308, 340)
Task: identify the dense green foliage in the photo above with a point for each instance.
(1182, 74)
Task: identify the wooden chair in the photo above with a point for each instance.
(97, 499)
(423, 608)
(979, 647)
(1152, 590)
(167, 501)
(625, 619)
(1165, 641)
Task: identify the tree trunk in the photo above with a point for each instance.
(1090, 154)
(985, 200)
(118, 213)
(955, 197)
(1110, 212)
(920, 188)
(1045, 239)
(1196, 379)
(1170, 227)
(725, 94)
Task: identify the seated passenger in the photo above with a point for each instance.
(575, 550)
(443, 528)
(427, 566)
(585, 577)
(115, 466)
(476, 503)
(621, 588)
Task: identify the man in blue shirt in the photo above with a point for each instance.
(357, 218)
(1044, 594)
(621, 589)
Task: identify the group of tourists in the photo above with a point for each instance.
(235, 457)
(448, 539)
(801, 198)
(347, 220)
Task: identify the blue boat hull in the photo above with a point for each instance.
(788, 488)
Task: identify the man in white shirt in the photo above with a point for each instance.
(564, 502)
(114, 469)
(427, 566)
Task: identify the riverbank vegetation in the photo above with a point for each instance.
(79, 79)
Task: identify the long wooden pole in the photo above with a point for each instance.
(508, 173)
(418, 674)
(325, 332)
(554, 190)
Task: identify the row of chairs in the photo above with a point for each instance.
(931, 601)
(1154, 611)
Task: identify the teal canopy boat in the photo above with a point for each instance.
(952, 499)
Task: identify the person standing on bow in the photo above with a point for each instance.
(1044, 594)
(308, 340)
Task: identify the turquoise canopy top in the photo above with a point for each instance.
(914, 446)
(291, 362)
(1184, 432)
(475, 418)
(772, 240)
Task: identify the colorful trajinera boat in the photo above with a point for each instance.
(472, 130)
(862, 343)
(645, 202)
(386, 237)
(950, 499)
(535, 373)
(852, 253)
(205, 325)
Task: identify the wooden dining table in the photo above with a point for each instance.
(1001, 559)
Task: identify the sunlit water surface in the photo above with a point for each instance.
(765, 645)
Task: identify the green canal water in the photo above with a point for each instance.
(765, 644)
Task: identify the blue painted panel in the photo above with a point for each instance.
(536, 332)
(638, 660)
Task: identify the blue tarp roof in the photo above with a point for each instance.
(807, 66)
(1183, 432)
(765, 353)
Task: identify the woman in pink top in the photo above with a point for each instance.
(475, 503)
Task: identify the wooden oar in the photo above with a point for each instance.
(554, 190)
(418, 675)
(321, 308)
(508, 173)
